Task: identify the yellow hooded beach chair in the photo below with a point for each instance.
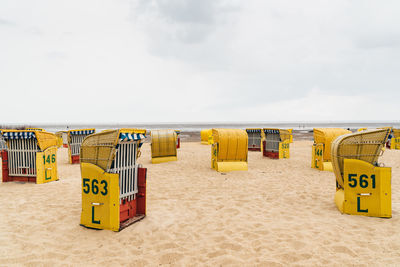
(163, 146)
(206, 137)
(362, 187)
(321, 149)
(276, 143)
(113, 183)
(229, 151)
(31, 156)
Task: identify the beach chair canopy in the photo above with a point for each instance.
(44, 139)
(81, 132)
(232, 144)
(100, 148)
(283, 133)
(326, 136)
(163, 143)
(366, 146)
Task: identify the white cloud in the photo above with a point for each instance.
(159, 60)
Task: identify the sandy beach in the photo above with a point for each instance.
(279, 212)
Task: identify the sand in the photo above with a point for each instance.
(279, 212)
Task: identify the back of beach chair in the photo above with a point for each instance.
(206, 137)
(163, 146)
(229, 151)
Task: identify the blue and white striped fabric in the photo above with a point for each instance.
(131, 137)
(82, 132)
(253, 130)
(271, 131)
(18, 135)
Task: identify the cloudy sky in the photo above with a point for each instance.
(121, 61)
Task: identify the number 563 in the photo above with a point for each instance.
(94, 186)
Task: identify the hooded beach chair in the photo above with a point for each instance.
(394, 139)
(290, 135)
(113, 183)
(75, 139)
(362, 187)
(229, 150)
(276, 143)
(321, 149)
(59, 138)
(206, 137)
(255, 139)
(31, 156)
(163, 146)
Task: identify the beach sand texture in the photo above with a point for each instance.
(279, 212)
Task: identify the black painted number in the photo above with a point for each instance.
(95, 186)
(86, 186)
(363, 180)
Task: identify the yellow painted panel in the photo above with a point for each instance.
(100, 198)
(339, 200)
(163, 159)
(214, 154)
(367, 189)
(318, 157)
(291, 135)
(231, 166)
(284, 152)
(327, 166)
(46, 165)
(395, 143)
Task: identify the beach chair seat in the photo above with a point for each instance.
(163, 146)
(113, 183)
(321, 149)
(229, 150)
(31, 156)
(276, 143)
(362, 186)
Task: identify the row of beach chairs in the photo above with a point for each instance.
(114, 184)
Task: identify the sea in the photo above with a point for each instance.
(196, 127)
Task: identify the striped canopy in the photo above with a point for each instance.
(82, 132)
(253, 130)
(271, 131)
(18, 135)
(131, 137)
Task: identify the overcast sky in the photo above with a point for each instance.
(121, 61)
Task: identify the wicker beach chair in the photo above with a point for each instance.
(363, 187)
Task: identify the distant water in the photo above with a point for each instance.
(196, 127)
